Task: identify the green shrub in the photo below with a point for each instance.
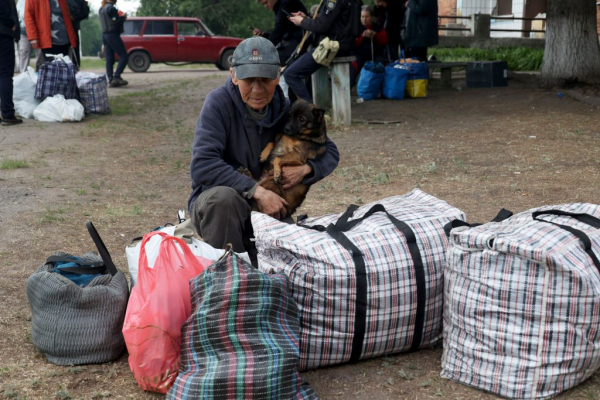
(517, 58)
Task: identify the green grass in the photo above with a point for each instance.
(13, 164)
(92, 63)
(517, 58)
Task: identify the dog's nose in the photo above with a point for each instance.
(287, 130)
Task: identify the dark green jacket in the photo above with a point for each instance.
(421, 24)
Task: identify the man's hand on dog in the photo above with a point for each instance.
(291, 176)
(270, 203)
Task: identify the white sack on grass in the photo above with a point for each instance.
(24, 93)
(59, 109)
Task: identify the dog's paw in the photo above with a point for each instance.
(277, 178)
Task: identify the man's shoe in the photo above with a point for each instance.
(114, 83)
(11, 121)
(122, 82)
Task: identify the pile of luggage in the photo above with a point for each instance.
(59, 93)
(515, 302)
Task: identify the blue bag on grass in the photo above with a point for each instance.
(394, 83)
(371, 80)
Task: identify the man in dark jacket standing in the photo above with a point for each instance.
(9, 35)
(111, 21)
(421, 27)
(332, 21)
(285, 35)
(235, 124)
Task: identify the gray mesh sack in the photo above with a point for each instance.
(78, 325)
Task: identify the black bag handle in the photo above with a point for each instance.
(581, 217)
(336, 232)
(84, 267)
(501, 216)
(102, 250)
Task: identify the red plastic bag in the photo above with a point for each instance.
(158, 307)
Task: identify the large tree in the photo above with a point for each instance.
(572, 53)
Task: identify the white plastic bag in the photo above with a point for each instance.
(59, 109)
(24, 93)
(198, 247)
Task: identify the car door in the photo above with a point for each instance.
(160, 40)
(193, 43)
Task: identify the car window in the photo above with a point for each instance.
(132, 27)
(159, 28)
(190, 29)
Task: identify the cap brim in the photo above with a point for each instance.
(246, 71)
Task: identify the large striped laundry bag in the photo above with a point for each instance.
(522, 302)
(367, 282)
(241, 341)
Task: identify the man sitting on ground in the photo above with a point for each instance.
(235, 124)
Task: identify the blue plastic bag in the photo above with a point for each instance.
(371, 80)
(78, 270)
(394, 83)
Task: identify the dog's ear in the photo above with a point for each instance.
(292, 96)
(318, 113)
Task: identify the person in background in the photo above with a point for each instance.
(390, 14)
(332, 21)
(285, 35)
(9, 35)
(370, 45)
(79, 10)
(421, 27)
(235, 124)
(112, 21)
(48, 26)
(24, 44)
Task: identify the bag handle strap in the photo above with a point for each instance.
(84, 267)
(102, 250)
(336, 231)
(581, 217)
(501, 216)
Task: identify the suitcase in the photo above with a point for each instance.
(487, 74)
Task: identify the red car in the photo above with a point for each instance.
(174, 39)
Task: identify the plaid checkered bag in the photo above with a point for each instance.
(241, 341)
(93, 92)
(522, 302)
(57, 77)
(366, 286)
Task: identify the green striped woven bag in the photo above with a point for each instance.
(242, 339)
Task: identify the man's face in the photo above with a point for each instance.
(380, 3)
(366, 18)
(256, 92)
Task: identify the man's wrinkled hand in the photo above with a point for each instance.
(291, 176)
(270, 203)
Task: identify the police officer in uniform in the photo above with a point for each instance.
(332, 21)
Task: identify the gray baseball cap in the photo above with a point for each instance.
(256, 57)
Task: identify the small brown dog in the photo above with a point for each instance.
(304, 138)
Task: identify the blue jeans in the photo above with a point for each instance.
(294, 75)
(7, 69)
(114, 44)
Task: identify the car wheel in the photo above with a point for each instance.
(139, 61)
(225, 62)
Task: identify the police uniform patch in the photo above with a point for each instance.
(331, 5)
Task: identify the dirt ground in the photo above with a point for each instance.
(479, 149)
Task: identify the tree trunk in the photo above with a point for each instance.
(572, 53)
